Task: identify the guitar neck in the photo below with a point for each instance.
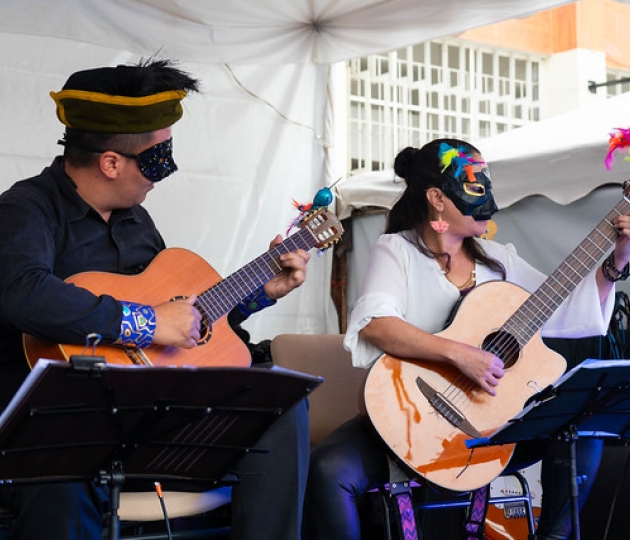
(537, 309)
(221, 298)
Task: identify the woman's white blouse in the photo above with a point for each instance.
(402, 282)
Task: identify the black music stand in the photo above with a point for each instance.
(590, 400)
(88, 420)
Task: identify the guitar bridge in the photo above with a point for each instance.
(138, 356)
(446, 409)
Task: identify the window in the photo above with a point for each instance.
(442, 88)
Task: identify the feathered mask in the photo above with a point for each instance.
(458, 160)
(619, 139)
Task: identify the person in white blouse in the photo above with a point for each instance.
(430, 256)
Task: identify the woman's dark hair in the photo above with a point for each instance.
(421, 169)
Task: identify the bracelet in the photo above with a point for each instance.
(137, 326)
(608, 269)
(254, 302)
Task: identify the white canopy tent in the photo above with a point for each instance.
(262, 132)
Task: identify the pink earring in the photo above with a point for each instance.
(439, 226)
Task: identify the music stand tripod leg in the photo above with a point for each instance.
(570, 437)
(115, 480)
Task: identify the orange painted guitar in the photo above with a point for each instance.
(425, 411)
(177, 272)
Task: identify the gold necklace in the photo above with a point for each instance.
(470, 282)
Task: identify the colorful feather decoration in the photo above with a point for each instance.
(447, 155)
(619, 139)
(455, 157)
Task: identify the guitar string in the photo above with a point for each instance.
(462, 386)
(504, 342)
(458, 391)
(305, 238)
(220, 298)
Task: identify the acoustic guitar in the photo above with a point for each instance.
(176, 273)
(426, 411)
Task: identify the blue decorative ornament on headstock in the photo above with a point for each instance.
(323, 199)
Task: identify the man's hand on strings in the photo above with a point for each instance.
(178, 323)
(293, 271)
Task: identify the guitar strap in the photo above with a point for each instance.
(475, 523)
(403, 507)
(402, 497)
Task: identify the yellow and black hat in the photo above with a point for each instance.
(117, 100)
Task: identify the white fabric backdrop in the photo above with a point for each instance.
(261, 134)
(258, 31)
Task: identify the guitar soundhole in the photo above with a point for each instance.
(503, 345)
(205, 329)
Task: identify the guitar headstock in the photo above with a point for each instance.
(324, 226)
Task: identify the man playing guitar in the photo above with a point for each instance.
(84, 214)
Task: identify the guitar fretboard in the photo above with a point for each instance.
(537, 309)
(221, 298)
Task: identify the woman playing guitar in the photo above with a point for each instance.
(429, 258)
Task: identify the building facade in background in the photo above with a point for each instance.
(486, 81)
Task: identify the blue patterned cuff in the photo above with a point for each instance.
(254, 302)
(138, 325)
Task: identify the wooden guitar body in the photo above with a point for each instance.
(175, 272)
(424, 439)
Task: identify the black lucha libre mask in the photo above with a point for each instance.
(471, 192)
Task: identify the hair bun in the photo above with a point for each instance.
(404, 161)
